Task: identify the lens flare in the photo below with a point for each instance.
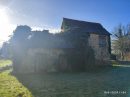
(5, 26)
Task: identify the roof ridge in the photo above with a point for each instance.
(80, 21)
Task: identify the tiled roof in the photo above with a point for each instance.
(83, 26)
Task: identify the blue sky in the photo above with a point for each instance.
(48, 14)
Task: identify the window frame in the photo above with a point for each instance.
(102, 41)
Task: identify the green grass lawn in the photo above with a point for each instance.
(9, 85)
(4, 63)
(85, 84)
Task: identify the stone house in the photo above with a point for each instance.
(44, 51)
(99, 37)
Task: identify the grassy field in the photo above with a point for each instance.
(86, 84)
(9, 85)
(79, 84)
(4, 63)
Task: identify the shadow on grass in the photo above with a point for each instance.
(8, 67)
(94, 83)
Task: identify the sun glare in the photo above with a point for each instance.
(5, 26)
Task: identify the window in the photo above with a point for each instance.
(102, 41)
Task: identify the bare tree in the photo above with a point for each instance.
(121, 41)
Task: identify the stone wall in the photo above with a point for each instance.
(41, 59)
(101, 53)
